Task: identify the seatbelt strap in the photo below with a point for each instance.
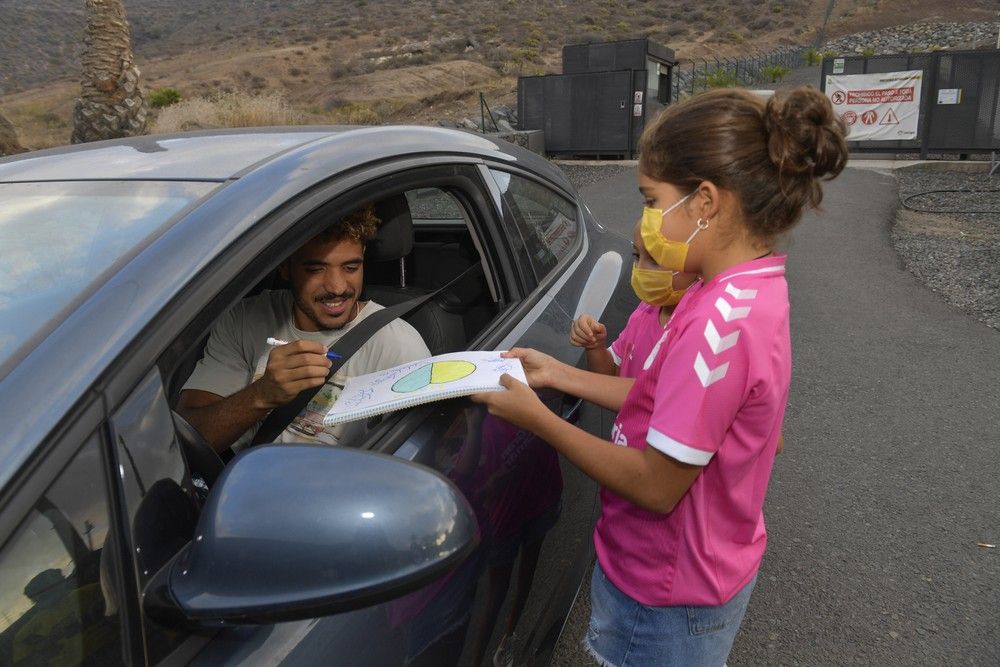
(345, 346)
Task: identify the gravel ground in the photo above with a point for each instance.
(582, 175)
(954, 254)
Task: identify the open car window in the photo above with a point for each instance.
(445, 241)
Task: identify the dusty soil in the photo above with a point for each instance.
(318, 76)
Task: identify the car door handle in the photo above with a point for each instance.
(600, 285)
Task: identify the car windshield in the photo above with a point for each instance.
(60, 240)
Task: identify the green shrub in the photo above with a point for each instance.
(775, 73)
(812, 57)
(720, 78)
(164, 97)
(524, 54)
(868, 52)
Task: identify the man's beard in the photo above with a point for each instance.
(310, 308)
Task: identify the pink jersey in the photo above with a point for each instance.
(636, 340)
(712, 393)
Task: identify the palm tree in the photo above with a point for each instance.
(111, 103)
(8, 138)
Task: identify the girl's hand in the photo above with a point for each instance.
(588, 333)
(518, 405)
(540, 369)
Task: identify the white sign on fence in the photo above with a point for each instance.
(877, 107)
(950, 96)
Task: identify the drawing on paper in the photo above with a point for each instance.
(439, 372)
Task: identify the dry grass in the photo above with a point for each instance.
(236, 109)
(323, 61)
(42, 117)
(355, 113)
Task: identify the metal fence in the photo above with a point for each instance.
(747, 71)
(970, 126)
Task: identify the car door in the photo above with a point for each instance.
(535, 511)
(159, 504)
(532, 509)
(63, 598)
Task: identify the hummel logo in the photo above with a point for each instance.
(738, 293)
(717, 342)
(728, 312)
(656, 348)
(709, 376)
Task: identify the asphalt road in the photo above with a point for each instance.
(891, 472)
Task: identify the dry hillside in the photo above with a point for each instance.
(393, 60)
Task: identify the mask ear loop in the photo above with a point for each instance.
(676, 204)
(700, 226)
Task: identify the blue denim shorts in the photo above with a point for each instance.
(625, 633)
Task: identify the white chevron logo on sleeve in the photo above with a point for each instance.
(709, 376)
(728, 312)
(737, 293)
(717, 342)
(656, 349)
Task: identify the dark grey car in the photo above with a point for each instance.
(419, 543)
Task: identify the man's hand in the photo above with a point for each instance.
(518, 405)
(588, 333)
(291, 369)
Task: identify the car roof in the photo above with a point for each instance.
(258, 169)
(222, 154)
(208, 155)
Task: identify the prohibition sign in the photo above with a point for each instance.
(869, 117)
(849, 117)
(838, 97)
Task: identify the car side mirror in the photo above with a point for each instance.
(291, 532)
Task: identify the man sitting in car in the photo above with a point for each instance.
(242, 377)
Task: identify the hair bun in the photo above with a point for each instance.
(805, 138)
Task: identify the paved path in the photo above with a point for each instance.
(891, 474)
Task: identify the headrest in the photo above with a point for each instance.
(395, 234)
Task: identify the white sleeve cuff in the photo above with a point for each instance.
(618, 360)
(677, 450)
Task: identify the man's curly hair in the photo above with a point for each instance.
(360, 226)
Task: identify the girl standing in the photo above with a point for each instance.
(681, 532)
(659, 292)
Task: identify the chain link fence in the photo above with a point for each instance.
(747, 71)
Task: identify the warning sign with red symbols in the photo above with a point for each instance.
(877, 107)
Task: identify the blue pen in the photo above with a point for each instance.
(275, 342)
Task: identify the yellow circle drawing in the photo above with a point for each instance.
(449, 371)
(439, 372)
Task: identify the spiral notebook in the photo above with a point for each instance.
(417, 382)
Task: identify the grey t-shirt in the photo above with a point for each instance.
(237, 351)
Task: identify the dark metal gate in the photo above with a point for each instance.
(971, 125)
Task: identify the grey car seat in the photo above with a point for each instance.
(439, 321)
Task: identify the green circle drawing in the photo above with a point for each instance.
(439, 372)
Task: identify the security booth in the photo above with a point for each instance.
(599, 105)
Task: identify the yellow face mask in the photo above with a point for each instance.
(669, 254)
(655, 287)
